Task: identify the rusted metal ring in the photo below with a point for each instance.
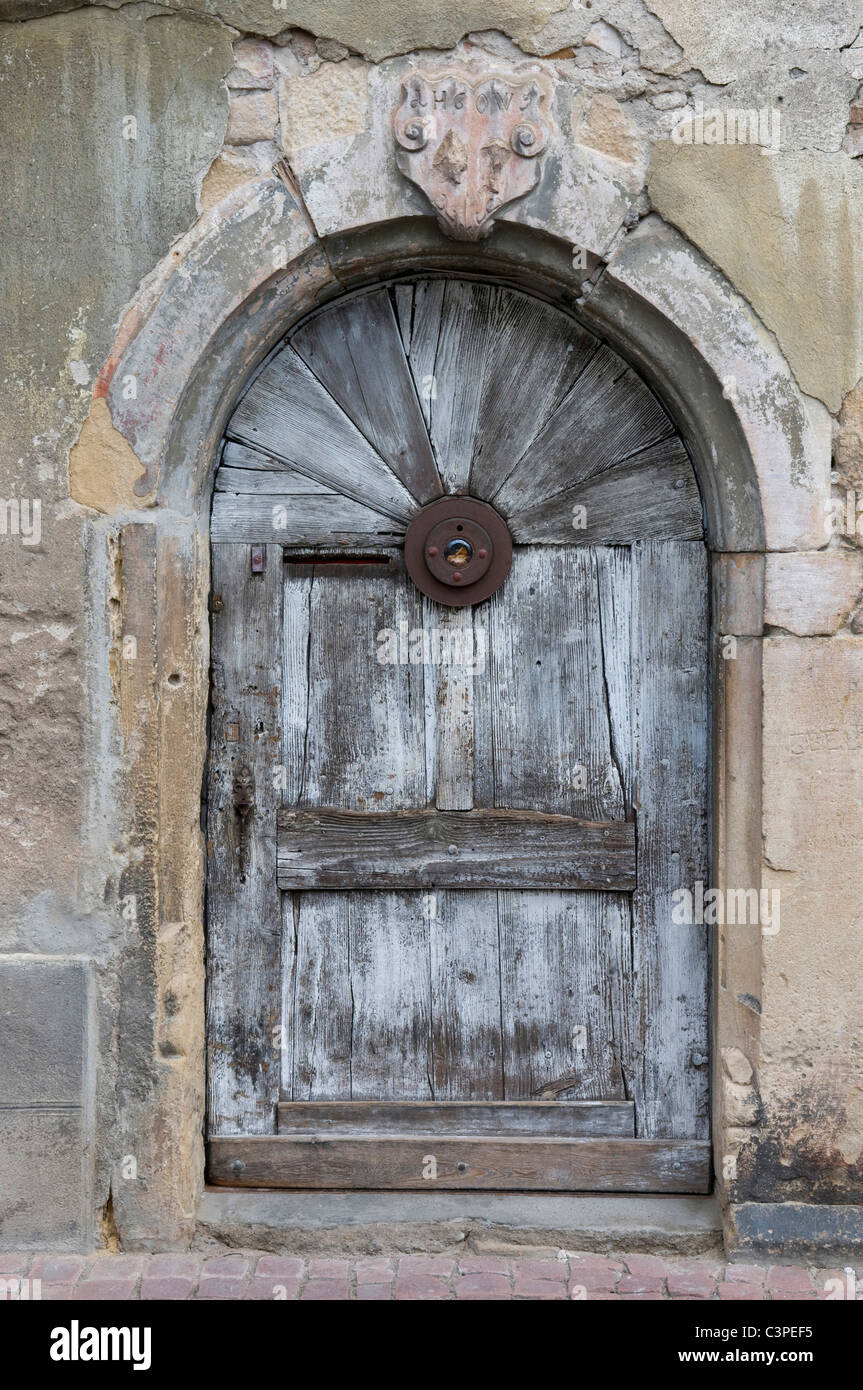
(458, 550)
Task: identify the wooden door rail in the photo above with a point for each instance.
(458, 1162)
(330, 848)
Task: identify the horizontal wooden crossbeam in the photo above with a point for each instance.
(451, 1163)
(452, 849)
(577, 1119)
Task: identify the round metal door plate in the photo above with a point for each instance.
(458, 550)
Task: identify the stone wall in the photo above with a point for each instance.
(129, 130)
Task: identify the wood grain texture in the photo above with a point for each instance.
(670, 758)
(452, 341)
(355, 351)
(539, 354)
(654, 494)
(566, 987)
(244, 907)
(300, 519)
(331, 848)
(608, 415)
(520, 1164)
(582, 1119)
(551, 741)
(287, 413)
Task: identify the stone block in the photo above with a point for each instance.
(45, 1103)
(812, 594)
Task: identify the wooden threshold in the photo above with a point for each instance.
(330, 848)
(499, 1119)
(376, 1162)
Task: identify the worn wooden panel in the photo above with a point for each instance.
(581, 1119)
(330, 848)
(243, 458)
(390, 992)
(608, 415)
(654, 494)
(539, 354)
(670, 757)
(464, 966)
(550, 723)
(319, 1008)
(244, 908)
(521, 1164)
(364, 745)
(312, 519)
(452, 341)
(287, 413)
(566, 984)
(279, 479)
(449, 682)
(355, 351)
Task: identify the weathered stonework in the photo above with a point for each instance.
(261, 179)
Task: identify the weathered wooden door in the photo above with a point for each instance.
(442, 842)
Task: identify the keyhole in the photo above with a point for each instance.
(458, 551)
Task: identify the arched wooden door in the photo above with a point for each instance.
(442, 842)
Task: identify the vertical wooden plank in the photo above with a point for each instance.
(456, 664)
(364, 745)
(550, 723)
(321, 1017)
(564, 981)
(244, 909)
(449, 355)
(467, 1054)
(390, 991)
(424, 334)
(670, 720)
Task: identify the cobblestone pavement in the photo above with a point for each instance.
(538, 1275)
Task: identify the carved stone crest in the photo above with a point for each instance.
(471, 141)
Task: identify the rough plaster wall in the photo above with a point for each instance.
(84, 217)
(95, 213)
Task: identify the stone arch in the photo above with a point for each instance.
(203, 322)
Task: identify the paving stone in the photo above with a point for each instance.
(638, 1284)
(107, 1290)
(481, 1283)
(273, 1290)
(166, 1287)
(427, 1264)
(484, 1264)
(542, 1269)
(14, 1264)
(378, 1271)
(173, 1267)
(279, 1267)
(330, 1289)
(746, 1274)
(789, 1279)
(741, 1291)
(526, 1287)
(57, 1269)
(367, 1293)
(219, 1286)
(690, 1280)
(421, 1286)
(328, 1269)
(648, 1265)
(226, 1266)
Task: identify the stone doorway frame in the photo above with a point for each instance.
(206, 318)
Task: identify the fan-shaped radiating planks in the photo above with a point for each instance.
(387, 398)
(288, 413)
(265, 501)
(608, 415)
(356, 352)
(653, 494)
